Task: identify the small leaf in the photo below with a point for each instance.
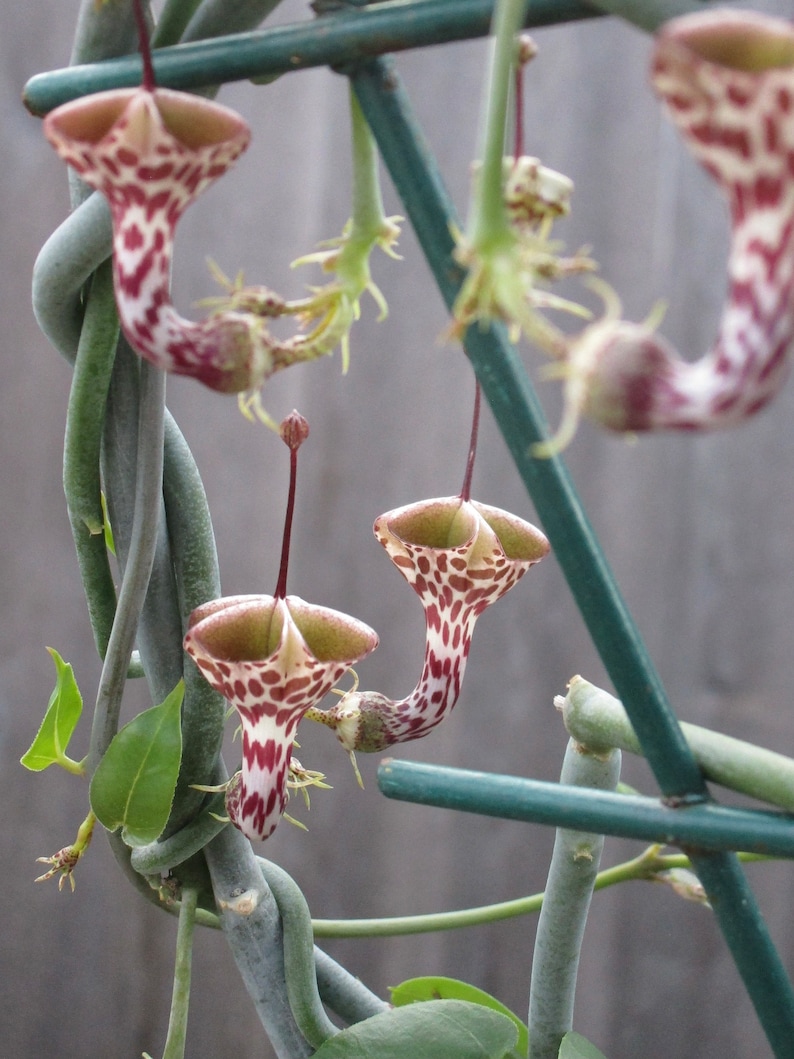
(60, 721)
(435, 987)
(443, 1029)
(575, 1046)
(134, 783)
(110, 543)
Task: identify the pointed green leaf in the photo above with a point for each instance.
(110, 544)
(434, 987)
(575, 1046)
(134, 783)
(60, 721)
(443, 1029)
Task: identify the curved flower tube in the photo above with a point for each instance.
(727, 81)
(272, 659)
(151, 152)
(459, 556)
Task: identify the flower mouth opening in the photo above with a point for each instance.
(745, 43)
(520, 541)
(248, 632)
(90, 119)
(330, 635)
(194, 123)
(440, 524)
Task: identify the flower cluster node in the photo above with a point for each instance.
(509, 270)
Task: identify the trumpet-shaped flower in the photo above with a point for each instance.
(727, 81)
(459, 556)
(151, 152)
(272, 659)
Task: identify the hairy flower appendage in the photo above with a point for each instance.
(508, 274)
(272, 659)
(459, 556)
(727, 81)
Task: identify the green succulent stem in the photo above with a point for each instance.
(487, 227)
(82, 444)
(368, 217)
(569, 891)
(647, 866)
(595, 717)
(174, 17)
(195, 561)
(301, 976)
(180, 997)
(143, 542)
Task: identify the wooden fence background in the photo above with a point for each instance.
(699, 531)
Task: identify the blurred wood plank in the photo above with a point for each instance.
(698, 530)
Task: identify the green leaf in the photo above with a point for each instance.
(60, 721)
(434, 987)
(575, 1046)
(443, 1029)
(110, 543)
(134, 783)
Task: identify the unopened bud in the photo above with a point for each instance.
(527, 49)
(293, 430)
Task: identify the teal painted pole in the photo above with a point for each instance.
(708, 826)
(520, 418)
(331, 40)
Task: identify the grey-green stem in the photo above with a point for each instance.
(569, 890)
(596, 718)
(180, 996)
(143, 541)
(299, 967)
(252, 925)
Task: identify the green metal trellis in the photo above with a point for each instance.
(354, 42)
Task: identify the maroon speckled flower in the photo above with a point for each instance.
(272, 659)
(459, 556)
(727, 81)
(151, 152)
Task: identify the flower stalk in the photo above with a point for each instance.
(506, 248)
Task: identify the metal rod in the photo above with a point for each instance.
(330, 40)
(708, 826)
(520, 418)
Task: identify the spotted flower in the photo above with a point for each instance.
(460, 557)
(726, 79)
(272, 659)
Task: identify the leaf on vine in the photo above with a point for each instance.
(442, 1029)
(433, 987)
(60, 721)
(110, 543)
(575, 1046)
(133, 786)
